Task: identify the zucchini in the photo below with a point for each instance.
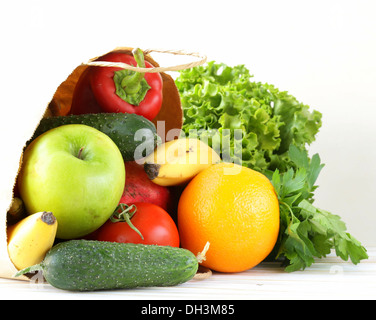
(89, 265)
(120, 127)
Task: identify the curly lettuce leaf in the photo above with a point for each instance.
(218, 99)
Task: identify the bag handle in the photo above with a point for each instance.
(202, 60)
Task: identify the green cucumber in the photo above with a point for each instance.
(120, 127)
(89, 265)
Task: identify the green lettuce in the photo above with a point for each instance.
(218, 100)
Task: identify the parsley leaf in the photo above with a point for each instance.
(308, 232)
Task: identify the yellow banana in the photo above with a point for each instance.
(176, 162)
(31, 238)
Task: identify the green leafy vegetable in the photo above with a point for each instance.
(216, 97)
(275, 128)
(306, 231)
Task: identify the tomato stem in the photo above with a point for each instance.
(124, 213)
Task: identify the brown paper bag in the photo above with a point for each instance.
(171, 113)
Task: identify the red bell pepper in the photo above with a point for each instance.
(110, 89)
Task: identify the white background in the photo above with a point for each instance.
(322, 52)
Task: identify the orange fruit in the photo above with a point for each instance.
(236, 209)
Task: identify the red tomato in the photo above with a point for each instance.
(154, 223)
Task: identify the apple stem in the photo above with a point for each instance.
(80, 153)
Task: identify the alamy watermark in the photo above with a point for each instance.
(225, 142)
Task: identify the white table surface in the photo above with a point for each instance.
(328, 278)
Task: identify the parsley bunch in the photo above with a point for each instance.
(307, 232)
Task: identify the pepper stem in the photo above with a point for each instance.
(132, 83)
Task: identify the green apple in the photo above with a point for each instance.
(76, 172)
